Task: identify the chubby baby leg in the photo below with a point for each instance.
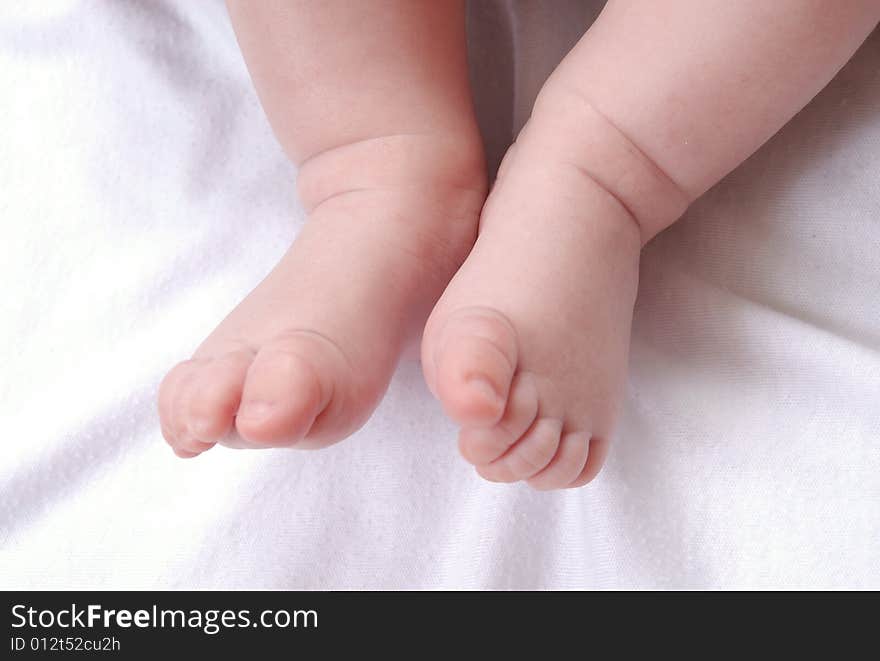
(527, 348)
(371, 100)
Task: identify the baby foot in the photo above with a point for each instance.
(306, 357)
(527, 348)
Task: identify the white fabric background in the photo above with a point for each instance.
(142, 195)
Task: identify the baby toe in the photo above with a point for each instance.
(215, 394)
(483, 445)
(597, 452)
(529, 455)
(174, 395)
(566, 465)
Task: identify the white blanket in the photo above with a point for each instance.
(142, 195)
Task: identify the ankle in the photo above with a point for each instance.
(453, 164)
(569, 128)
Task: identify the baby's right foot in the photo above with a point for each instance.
(306, 357)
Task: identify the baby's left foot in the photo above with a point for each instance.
(306, 357)
(527, 349)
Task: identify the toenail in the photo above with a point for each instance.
(484, 386)
(255, 410)
(201, 428)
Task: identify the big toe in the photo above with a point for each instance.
(289, 384)
(474, 362)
